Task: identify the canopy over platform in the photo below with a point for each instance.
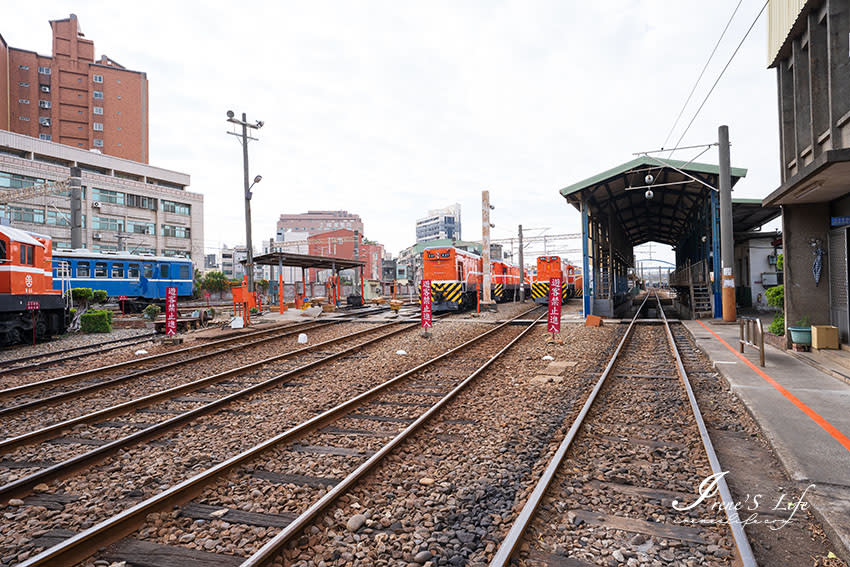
(306, 261)
(654, 199)
(679, 190)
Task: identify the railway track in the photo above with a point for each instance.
(638, 446)
(20, 401)
(22, 363)
(297, 466)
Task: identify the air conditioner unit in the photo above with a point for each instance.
(96, 236)
(95, 204)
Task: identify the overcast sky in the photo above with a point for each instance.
(387, 109)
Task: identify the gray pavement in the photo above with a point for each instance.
(808, 424)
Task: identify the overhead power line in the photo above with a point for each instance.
(720, 76)
(704, 67)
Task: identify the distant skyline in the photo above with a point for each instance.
(390, 109)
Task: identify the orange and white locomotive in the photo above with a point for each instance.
(27, 299)
(455, 277)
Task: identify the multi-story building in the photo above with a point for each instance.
(232, 263)
(71, 98)
(439, 224)
(314, 222)
(809, 42)
(340, 244)
(127, 205)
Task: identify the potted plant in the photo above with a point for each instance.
(801, 333)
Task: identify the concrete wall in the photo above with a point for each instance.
(803, 298)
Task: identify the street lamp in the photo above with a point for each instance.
(231, 117)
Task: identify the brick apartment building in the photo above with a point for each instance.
(313, 222)
(73, 99)
(340, 244)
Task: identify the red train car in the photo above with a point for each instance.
(455, 277)
(549, 267)
(26, 280)
(505, 280)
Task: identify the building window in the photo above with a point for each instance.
(98, 143)
(44, 88)
(176, 231)
(44, 104)
(97, 78)
(178, 254)
(100, 270)
(117, 270)
(57, 218)
(24, 118)
(46, 137)
(106, 196)
(175, 207)
(98, 126)
(139, 227)
(98, 95)
(27, 254)
(141, 202)
(97, 110)
(23, 101)
(24, 67)
(44, 121)
(44, 70)
(23, 84)
(107, 223)
(26, 214)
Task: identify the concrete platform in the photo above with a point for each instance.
(804, 413)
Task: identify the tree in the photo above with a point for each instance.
(198, 283)
(215, 281)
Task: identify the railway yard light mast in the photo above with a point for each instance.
(244, 138)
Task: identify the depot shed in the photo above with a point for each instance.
(651, 199)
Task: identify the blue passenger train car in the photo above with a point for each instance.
(142, 278)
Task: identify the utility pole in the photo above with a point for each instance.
(76, 208)
(356, 257)
(249, 263)
(727, 241)
(521, 269)
(485, 246)
(121, 237)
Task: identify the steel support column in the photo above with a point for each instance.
(585, 245)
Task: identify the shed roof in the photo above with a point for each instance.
(305, 261)
(679, 189)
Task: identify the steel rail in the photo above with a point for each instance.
(11, 443)
(742, 544)
(271, 548)
(84, 544)
(24, 388)
(24, 485)
(128, 341)
(514, 536)
(40, 402)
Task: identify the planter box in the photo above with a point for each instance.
(824, 336)
(801, 335)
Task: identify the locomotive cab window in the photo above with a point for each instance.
(432, 255)
(117, 270)
(27, 255)
(83, 270)
(148, 270)
(2, 250)
(100, 270)
(134, 271)
(184, 272)
(163, 271)
(445, 254)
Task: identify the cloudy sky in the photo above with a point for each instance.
(388, 109)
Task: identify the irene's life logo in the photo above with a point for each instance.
(745, 512)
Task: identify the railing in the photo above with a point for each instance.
(690, 274)
(752, 331)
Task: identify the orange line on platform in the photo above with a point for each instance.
(827, 426)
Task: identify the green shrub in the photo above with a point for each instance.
(776, 296)
(82, 294)
(99, 296)
(780, 262)
(96, 321)
(777, 326)
(254, 311)
(73, 311)
(151, 312)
